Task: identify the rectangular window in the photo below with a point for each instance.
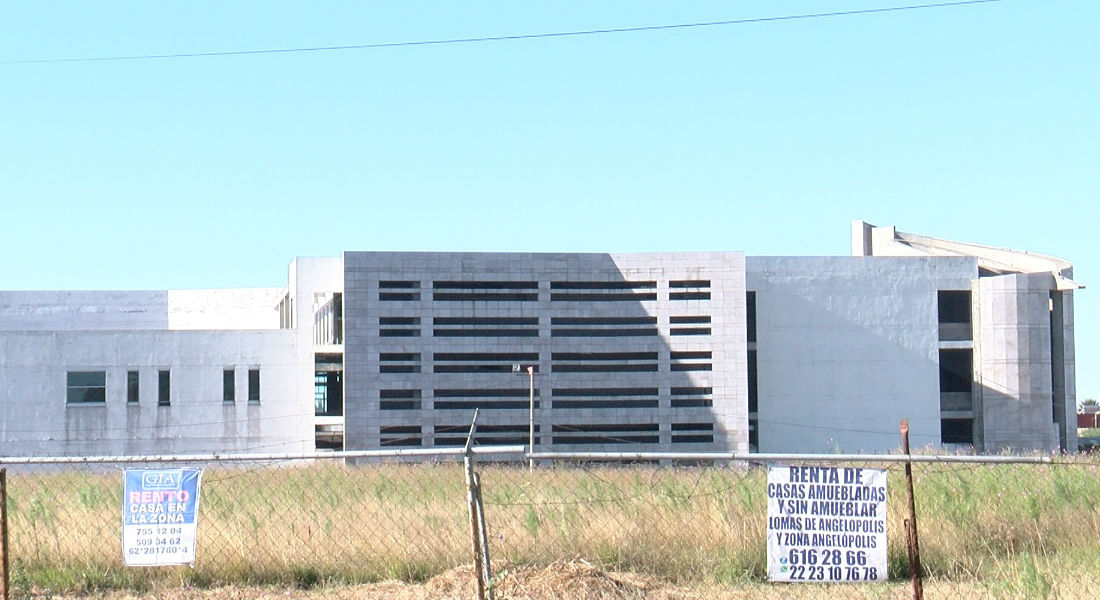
(956, 370)
(754, 393)
(398, 290)
(953, 308)
(957, 431)
(86, 387)
(229, 386)
(750, 315)
(254, 386)
(132, 388)
(164, 388)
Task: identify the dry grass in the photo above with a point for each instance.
(1019, 531)
(578, 580)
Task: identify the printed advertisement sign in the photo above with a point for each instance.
(158, 516)
(826, 524)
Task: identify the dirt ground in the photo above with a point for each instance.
(578, 580)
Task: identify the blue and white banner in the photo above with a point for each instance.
(158, 516)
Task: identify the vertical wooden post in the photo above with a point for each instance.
(478, 532)
(474, 534)
(531, 417)
(483, 538)
(912, 545)
(4, 580)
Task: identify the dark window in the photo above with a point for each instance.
(690, 361)
(692, 433)
(481, 362)
(229, 386)
(328, 393)
(132, 388)
(568, 398)
(405, 290)
(399, 362)
(957, 431)
(689, 290)
(750, 315)
(954, 306)
(164, 388)
(753, 393)
(485, 290)
(399, 326)
(604, 362)
(633, 433)
(254, 386)
(487, 356)
(398, 320)
(400, 435)
(692, 397)
(392, 296)
(499, 398)
(956, 370)
(485, 285)
(486, 326)
(398, 356)
(86, 387)
(338, 321)
(607, 291)
(455, 435)
(399, 399)
(696, 325)
(602, 285)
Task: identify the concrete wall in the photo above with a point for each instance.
(36, 420)
(1016, 370)
(230, 309)
(309, 278)
(673, 422)
(195, 334)
(83, 311)
(846, 347)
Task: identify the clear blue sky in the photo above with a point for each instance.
(978, 123)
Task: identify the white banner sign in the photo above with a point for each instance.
(826, 524)
(158, 516)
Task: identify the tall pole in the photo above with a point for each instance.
(531, 415)
(4, 579)
(912, 543)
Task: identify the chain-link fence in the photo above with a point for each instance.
(986, 530)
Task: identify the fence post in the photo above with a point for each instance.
(911, 543)
(477, 519)
(4, 580)
(483, 537)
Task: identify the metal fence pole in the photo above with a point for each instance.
(912, 544)
(4, 579)
(483, 538)
(531, 416)
(478, 535)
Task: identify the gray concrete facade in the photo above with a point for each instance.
(46, 337)
(1027, 398)
(641, 351)
(973, 345)
(847, 347)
